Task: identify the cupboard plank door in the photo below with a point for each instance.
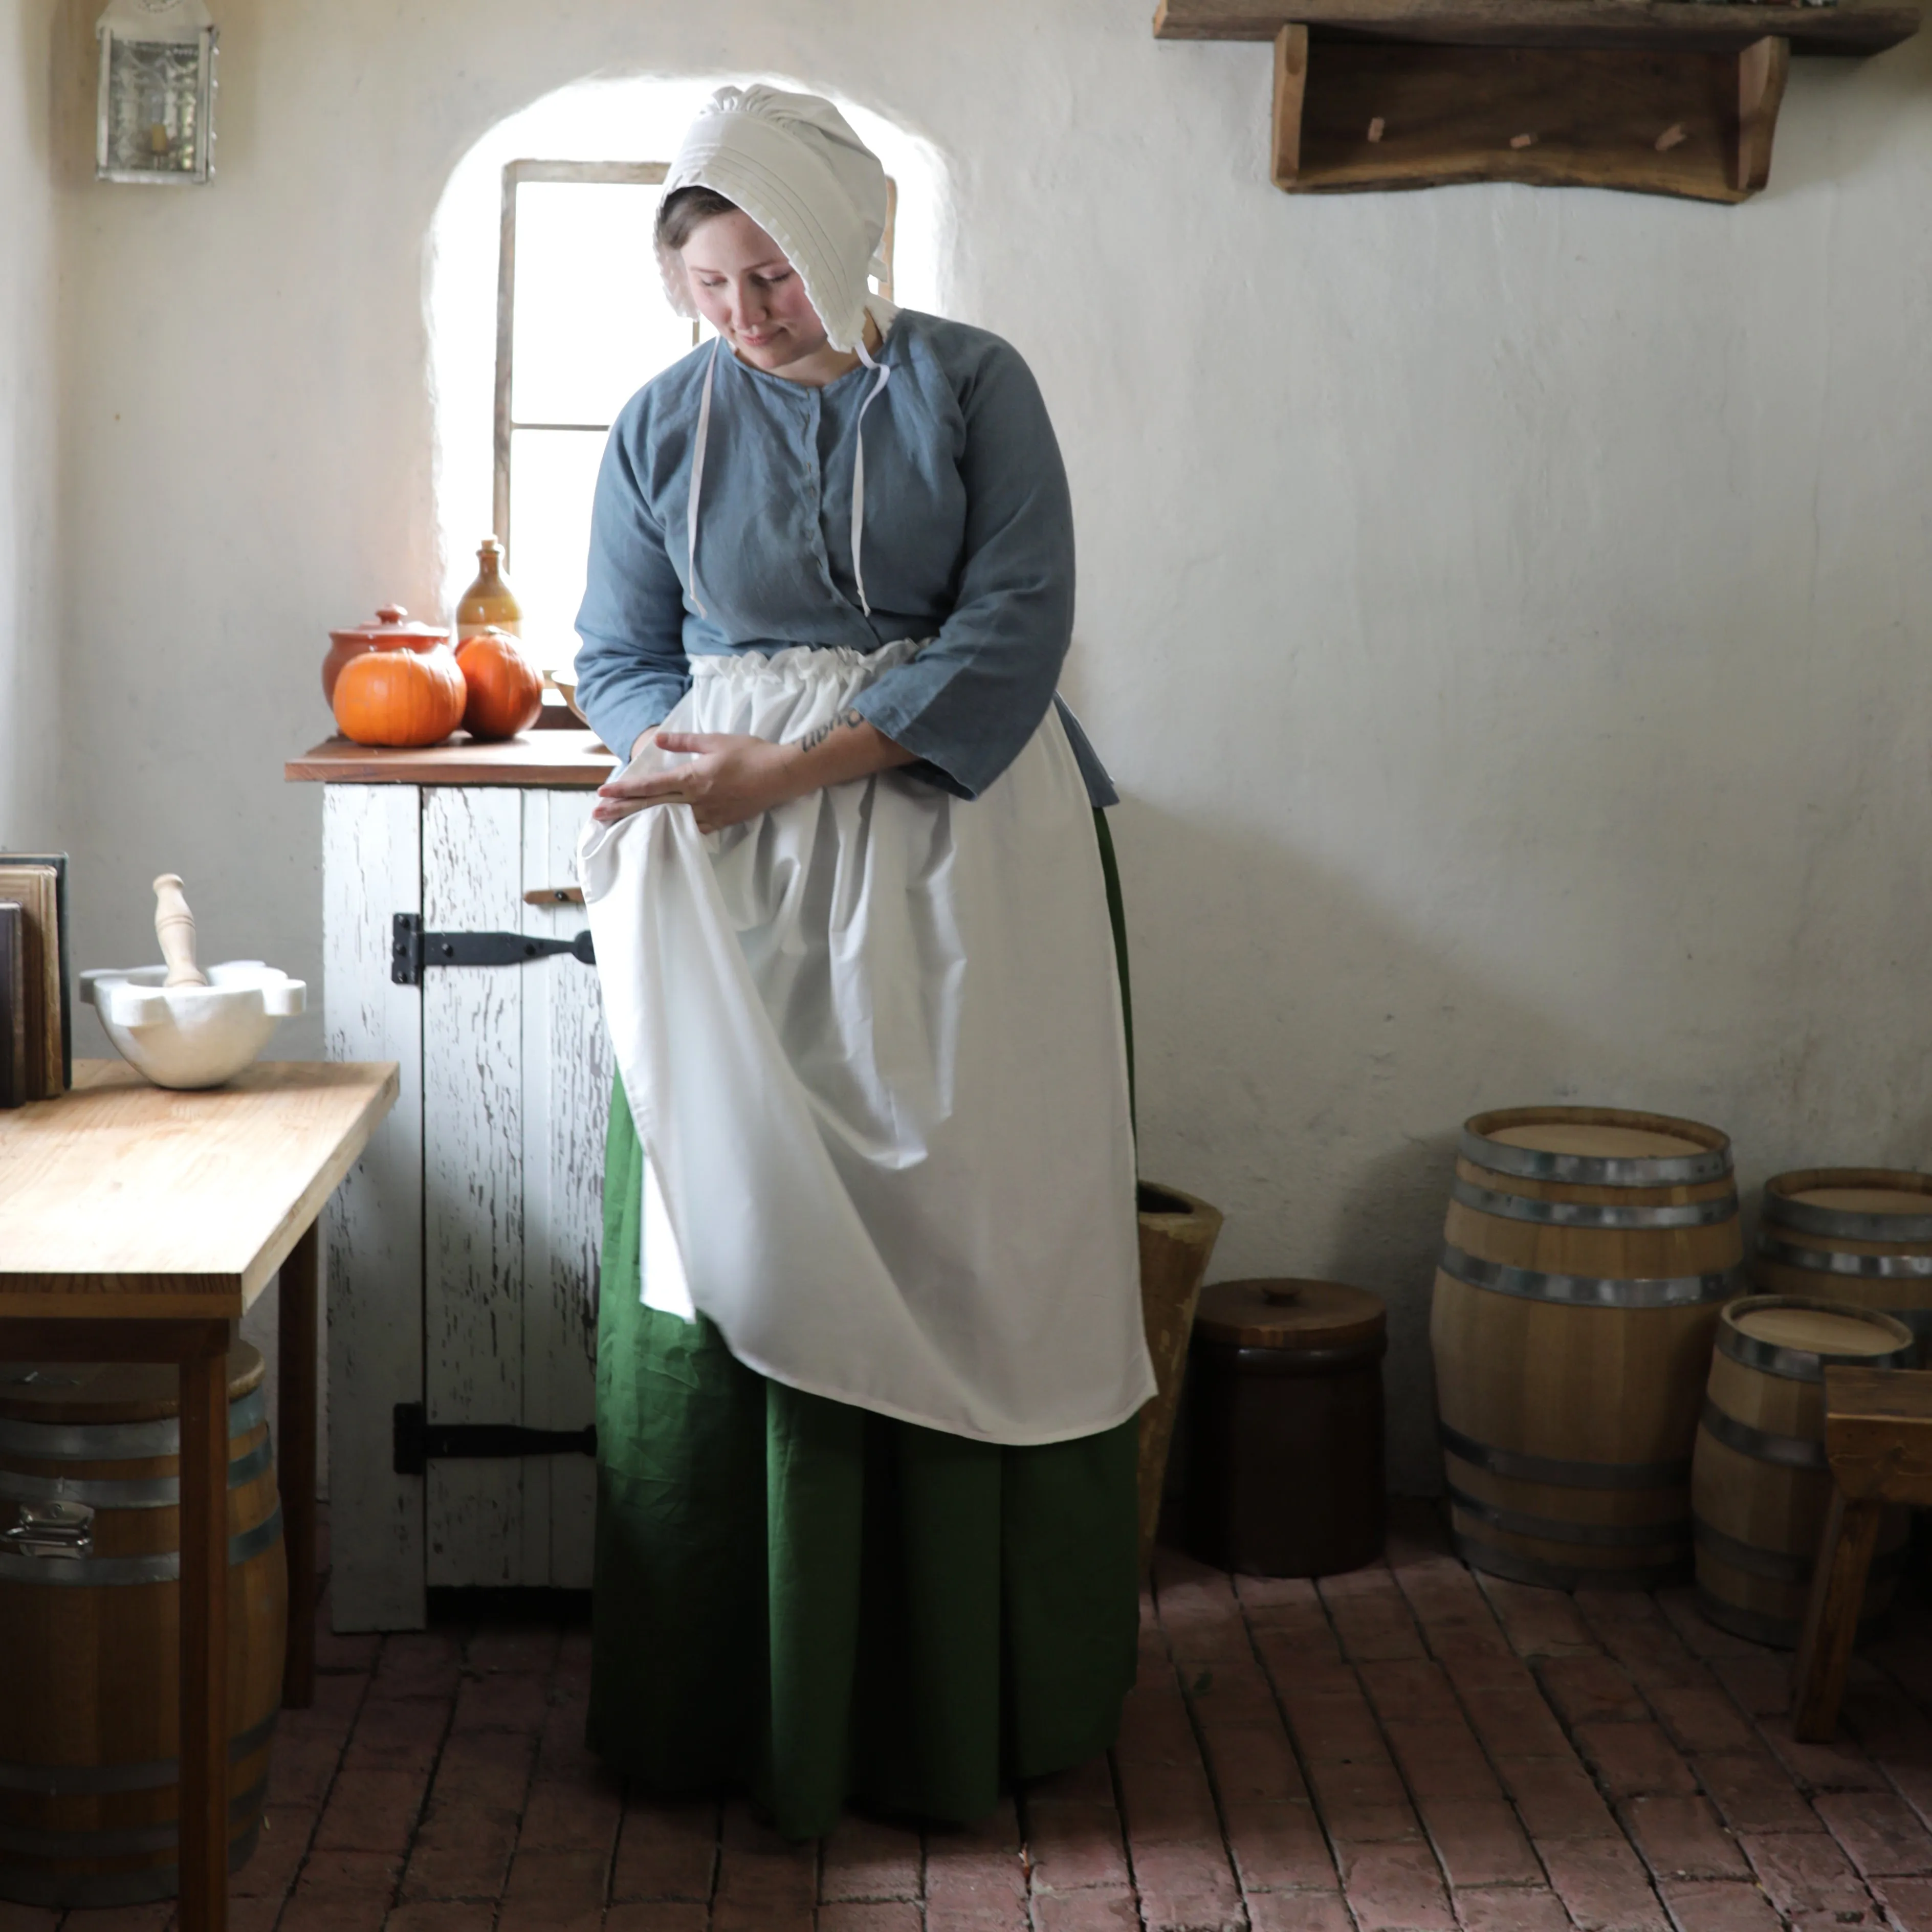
(566, 1059)
(482, 1520)
(373, 1227)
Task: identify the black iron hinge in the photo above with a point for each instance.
(411, 949)
(417, 1440)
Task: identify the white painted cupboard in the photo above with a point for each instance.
(462, 1253)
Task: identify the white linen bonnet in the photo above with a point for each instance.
(792, 162)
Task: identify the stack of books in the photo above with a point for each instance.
(36, 1015)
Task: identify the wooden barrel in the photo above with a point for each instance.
(1760, 1483)
(89, 1623)
(1860, 1235)
(1586, 1254)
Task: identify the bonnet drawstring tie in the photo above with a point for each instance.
(885, 376)
(697, 479)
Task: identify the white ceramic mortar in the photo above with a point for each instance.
(189, 1036)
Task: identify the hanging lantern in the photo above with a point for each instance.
(157, 111)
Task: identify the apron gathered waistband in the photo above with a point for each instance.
(804, 664)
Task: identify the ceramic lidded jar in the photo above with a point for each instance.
(391, 629)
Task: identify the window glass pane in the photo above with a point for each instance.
(553, 476)
(591, 324)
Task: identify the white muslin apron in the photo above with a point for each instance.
(871, 1041)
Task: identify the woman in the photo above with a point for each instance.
(870, 1351)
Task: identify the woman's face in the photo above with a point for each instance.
(745, 289)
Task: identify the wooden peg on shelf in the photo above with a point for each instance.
(1290, 77)
(1762, 68)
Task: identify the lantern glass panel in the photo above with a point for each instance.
(154, 98)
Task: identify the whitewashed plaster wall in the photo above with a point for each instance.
(29, 657)
(1507, 612)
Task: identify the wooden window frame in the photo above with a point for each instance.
(630, 174)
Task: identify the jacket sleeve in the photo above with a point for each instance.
(967, 704)
(631, 666)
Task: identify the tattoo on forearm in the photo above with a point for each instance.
(846, 720)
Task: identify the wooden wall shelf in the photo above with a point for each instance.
(1851, 27)
(1663, 96)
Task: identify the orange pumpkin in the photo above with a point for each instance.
(505, 692)
(400, 697)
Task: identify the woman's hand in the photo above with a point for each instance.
(731, 777)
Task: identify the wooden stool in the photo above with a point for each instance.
(1878, 1439)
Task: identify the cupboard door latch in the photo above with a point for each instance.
(411, 949)
(419, 1441)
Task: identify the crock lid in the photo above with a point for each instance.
(392, 625)
(1290, 1313)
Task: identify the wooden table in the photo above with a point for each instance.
(136, 1225)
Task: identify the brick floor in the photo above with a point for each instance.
(1411, 1748)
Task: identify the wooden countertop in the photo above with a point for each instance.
(122, 1199)
(544, 759)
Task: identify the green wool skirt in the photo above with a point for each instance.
(819, 1606)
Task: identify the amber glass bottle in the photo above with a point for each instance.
(489, 600)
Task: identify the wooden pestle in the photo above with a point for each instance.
(174, 927)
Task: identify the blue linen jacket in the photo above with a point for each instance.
(967, 540)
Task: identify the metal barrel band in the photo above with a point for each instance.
(1518, 1569)
(1832, 1261)
(35, 1885)
(1584, 1291)
(245, 1469)
(1918, 1320)
(96, 1572)
(118, 1441)
(127, 1842)
(1804, 1365)
(1580, 1214)
(1777, 1564)
(1842, 1225)
(1592, 1170)
(1780, 1632)
(1592, 1535)
(112, 1492)
(1780, 1566)
(67, 1780)
(1788, 1452)
(1523, 1469)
